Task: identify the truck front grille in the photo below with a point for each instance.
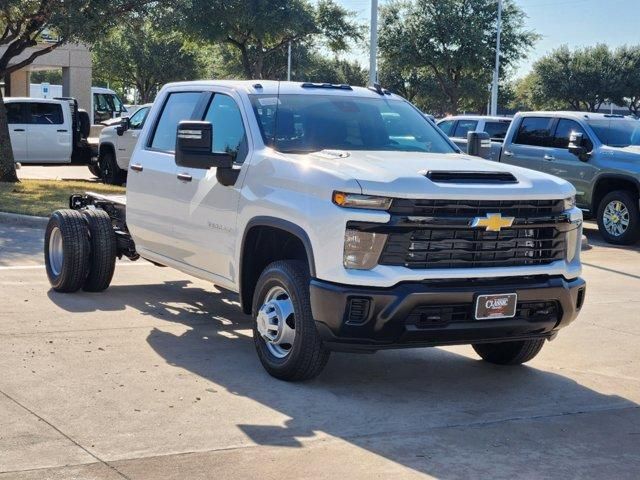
(475, 208)
(430, 248)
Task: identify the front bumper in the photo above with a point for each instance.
(434, 313)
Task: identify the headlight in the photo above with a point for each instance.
(570, 202)
(362, 249)
(352, 200)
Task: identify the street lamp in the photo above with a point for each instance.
(494, 87)
(373, 67)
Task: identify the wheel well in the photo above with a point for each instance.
(263, 245)
(107, 147)
(606, 185)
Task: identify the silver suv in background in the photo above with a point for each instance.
(598, 153)
(456, 128)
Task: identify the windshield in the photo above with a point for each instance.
(617, 132)
(309, 123)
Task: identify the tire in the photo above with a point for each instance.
(509, 353)
(103, 251)
(307, 356)
(66, 250)
(111, 172)
(94, 168)
(629, 204)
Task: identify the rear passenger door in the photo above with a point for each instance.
(531, 143)
(16, 113)
(49, 136)
(564, 164)
(206, 224)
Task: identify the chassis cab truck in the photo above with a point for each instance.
(342, 217)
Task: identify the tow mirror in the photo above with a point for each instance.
(479, 144)
(123, 127)
(576, 145)
(194, 145)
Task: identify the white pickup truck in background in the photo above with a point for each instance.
(342, 217)
(48, 131)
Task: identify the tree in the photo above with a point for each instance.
(628, 59)
(452, 42)
(23, 24)
(138, 54)
(258, 30)
(582, 79)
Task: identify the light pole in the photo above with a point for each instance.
(494, 87)
(373, 64)
(289, 62)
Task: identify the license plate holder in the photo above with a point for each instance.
(496, 306)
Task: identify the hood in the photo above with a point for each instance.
(404, 175)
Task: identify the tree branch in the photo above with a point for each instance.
(29, 60)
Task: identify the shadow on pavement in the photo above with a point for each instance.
(357, 397)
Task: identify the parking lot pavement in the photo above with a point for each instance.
(55, 172)
(157, 378)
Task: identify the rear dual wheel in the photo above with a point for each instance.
(80, 250)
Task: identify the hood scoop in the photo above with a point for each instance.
(493, 178)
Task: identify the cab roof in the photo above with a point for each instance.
(577, 115)
(274, 87)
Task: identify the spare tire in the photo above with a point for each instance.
(84, 123)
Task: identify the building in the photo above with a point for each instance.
(73, 59)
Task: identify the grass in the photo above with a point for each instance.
(42, 197)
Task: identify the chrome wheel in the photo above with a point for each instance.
(616, 218)
(275, 322)
(56, 252)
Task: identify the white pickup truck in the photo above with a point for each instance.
(338, 229)
(48, 131)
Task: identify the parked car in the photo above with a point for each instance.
(48, 131)
(117, 143)
(602, 162)
(336, 232)
(457, 128)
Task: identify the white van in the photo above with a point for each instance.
(105, 103)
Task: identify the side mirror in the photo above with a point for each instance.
(479, 144)
(194, 141)
(576, 147)
(123, 127)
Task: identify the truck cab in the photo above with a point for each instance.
(598, 153)
(343, 218)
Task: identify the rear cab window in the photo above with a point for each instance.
(496, 130)
(534, 131)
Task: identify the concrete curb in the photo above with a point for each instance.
(18, 220)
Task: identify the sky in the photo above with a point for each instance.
(576, 23)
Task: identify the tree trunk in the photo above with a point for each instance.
(7, 163)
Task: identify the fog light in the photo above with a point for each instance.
(362, 249)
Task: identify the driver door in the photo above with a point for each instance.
(205, 229)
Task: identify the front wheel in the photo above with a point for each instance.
(619, 218)
(284, 333)
(94, 168)
(111, 172)
(509, 353)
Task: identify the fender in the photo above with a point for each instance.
(611, 176)
(285, 225)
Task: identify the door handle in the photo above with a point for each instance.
(507, 153)
(184, 177)
(549, 157)
(63, 131)
(136, 167)
(18, 129)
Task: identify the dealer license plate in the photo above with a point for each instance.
(502, 305)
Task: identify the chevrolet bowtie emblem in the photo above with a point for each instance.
(493, 222)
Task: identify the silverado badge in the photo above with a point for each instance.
(493, 222)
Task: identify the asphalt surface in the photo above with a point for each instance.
(157, 378)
